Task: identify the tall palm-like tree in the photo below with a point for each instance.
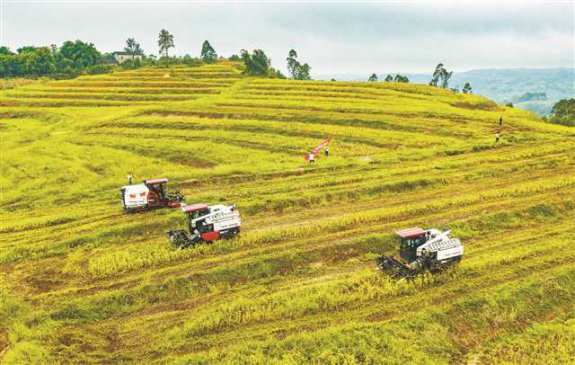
(165, 42)
(133, 48)
(292, 63)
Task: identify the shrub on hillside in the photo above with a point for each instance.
(130, 65)
(101, 68)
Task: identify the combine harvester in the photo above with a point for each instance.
(151, 194)
(206, 224)
(421, 250)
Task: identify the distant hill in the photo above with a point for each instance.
(532, 89)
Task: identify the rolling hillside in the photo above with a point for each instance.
(84, 283)
(515, 85)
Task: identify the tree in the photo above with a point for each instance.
(208, 54)
(401, 78)
(234, 57)
(436, 75)
(442, 74)
(256, 63)
(296, 69)
(445, 78)
(372, 78)
(165, 42)
(304, 72)
(388, 78)
(292, 63)
(5, 51)
(108, 58)
(81, 54)
(563, 112)
(133, 48)
(39, 62)
(467, 88)
(11, 65)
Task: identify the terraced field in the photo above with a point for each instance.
(84, 283)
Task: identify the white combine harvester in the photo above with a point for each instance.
(206, 224)
(150, 194)
(421, 250)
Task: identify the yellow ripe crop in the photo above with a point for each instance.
(81, 282)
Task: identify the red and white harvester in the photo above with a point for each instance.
(150, 194)
(206, 223)
(422, 250)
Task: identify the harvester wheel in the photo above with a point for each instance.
(153, 199)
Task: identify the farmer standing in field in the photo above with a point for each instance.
(326, 151)
(311, 158)
(501, 120)
(497, 137)
(130, 178)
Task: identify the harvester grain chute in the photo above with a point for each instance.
(150, 194)
(206, 224)
(422, 250)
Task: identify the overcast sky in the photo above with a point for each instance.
(333, 37)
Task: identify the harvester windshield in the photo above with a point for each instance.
(195, 210)
(409, 240)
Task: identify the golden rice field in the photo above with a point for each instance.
(83, 283)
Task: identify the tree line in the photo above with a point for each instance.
(440, 78)
(74, 58)
(389, 78)
(69, 60)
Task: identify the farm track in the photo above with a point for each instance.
(97, 286)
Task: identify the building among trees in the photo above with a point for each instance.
(122, 56)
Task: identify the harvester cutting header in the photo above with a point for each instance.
(150, 194)
(421, 250)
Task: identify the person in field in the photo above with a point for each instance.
(497, 137)
(311, 158)
(130, 178)
(326, 151)
(501, 120)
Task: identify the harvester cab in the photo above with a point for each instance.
(421, 250)
(206, 224)
(150, 194)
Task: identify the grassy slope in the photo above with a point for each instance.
(81, 282)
